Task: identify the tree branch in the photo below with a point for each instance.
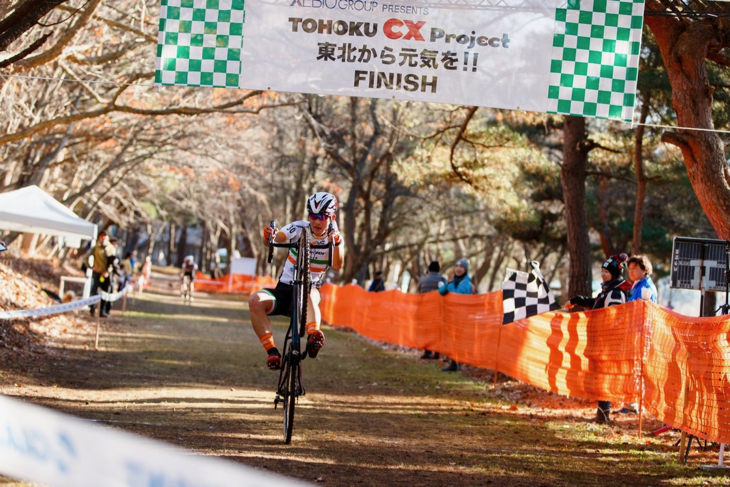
(24, 18)
(457, 139)
(62, 41)
(25, 52)
(681, 141)
(112, 107)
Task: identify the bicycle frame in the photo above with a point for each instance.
(290, 385)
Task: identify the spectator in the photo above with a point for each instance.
(460, 284)
(643, 287)
(144, 279)
(378, 283)
(431, 282)
(115, 272)
(103, 253)
(133, 263)
(614, 290)
(127, 270)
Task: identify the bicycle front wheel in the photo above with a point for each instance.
(290, 398)
(302, 274)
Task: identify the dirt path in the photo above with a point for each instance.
(194, 376)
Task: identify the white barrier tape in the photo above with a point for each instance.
(51, 310)
(114, 296)
(164, 277)
(52, 448)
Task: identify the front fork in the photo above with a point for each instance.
(283, 388)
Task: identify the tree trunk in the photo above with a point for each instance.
(231, 249)
(132, 241)
(181, 246)
(641, 180)
(171, 232)
(573, 181)
(505, 253)
(489, 252)
(606, 240)
(204, 250)
(685, 47)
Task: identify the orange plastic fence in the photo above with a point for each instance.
(677, 367)
(237, 283)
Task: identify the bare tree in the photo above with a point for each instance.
(687, 44)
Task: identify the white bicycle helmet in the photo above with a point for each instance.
(322, 204)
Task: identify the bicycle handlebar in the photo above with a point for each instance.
(330, 245)
(271, 241)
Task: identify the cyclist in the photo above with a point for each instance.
(322, 210)
(188, 269)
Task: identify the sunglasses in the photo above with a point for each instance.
(312, 216)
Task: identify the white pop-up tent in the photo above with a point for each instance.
(32, 210)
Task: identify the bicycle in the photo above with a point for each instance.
(290, 386)
(186, 290)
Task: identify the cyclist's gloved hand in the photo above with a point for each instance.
(335, 237)
(268, 232)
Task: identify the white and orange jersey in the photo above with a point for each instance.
(318, 257)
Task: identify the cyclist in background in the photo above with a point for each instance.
(322, 210)
(188, 269)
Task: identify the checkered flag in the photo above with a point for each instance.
(526, 294)
(595, 62)
(200, 43)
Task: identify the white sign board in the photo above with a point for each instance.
(243, 265)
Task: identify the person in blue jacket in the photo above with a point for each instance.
(643, 287)
(460, 284)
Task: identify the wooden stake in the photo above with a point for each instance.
(683, 441)
(96, 340)
(641, 377)
(496, 362)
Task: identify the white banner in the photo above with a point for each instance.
(498, 58)
(578, 58)
(41, 445)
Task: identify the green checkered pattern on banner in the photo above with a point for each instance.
(199, 43)
(595, 62)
